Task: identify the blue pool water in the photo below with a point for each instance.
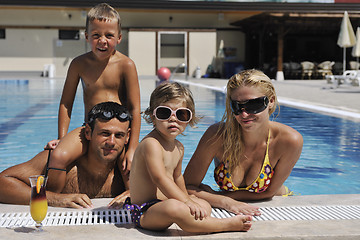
(329, 163)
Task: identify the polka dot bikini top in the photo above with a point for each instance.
(223, 177)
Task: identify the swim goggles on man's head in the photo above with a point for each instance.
(163, 113)
(108, 115)
(251, 106)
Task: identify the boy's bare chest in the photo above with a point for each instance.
(106, 79)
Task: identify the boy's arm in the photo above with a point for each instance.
(67, 99)
(133, 105)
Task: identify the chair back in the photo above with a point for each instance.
(327, 65)
(306, 65)
(354, 65)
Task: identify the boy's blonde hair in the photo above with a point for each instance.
(166, 92)
(103, 12)
(230, 131)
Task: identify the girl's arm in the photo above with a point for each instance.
(173, 187)
(154, 159)
(133, 105)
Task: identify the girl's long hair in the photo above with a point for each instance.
(230, 130)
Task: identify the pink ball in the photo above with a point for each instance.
(163, 74)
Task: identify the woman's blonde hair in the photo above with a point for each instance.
(166, 92)
(230, 131)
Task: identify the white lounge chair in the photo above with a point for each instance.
(350, 77)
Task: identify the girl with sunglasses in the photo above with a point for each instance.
(158, 194)
(253, 156)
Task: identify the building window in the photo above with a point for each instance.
(69, 34)
(2, 33)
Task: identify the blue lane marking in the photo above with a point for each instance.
(10, 126)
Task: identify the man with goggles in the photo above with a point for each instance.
(108, 111)
(93, 174)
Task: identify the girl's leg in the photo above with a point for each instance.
(161, 215)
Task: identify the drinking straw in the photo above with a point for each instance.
(47, 165)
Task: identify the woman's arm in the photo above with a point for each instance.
(207, 149)
(195, 171)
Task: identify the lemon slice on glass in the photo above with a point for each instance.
(39, 183)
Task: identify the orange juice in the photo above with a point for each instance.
(38, 205)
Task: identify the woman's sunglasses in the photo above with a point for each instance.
(163, 113)
(251, 106)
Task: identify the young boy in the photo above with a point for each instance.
(106, 75)
(158, 194)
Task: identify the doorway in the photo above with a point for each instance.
(172, 51)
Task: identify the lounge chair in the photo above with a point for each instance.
(350, 77)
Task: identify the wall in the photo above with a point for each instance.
(142, 47)
(32, 37)
(202, 50)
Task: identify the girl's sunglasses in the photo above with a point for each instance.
(163, 113)
(251, 106)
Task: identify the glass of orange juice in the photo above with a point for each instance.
(38, 202)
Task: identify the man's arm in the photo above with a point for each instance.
(15, 185)
(14, 181)
(71, 147)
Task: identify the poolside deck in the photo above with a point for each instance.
(310, 93)
(282, 229)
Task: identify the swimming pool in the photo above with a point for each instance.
(329, 162)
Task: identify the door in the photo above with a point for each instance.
(172, 50)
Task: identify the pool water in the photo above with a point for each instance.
(329, 163)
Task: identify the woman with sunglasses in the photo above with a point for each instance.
(253, 156)
(158, 194)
